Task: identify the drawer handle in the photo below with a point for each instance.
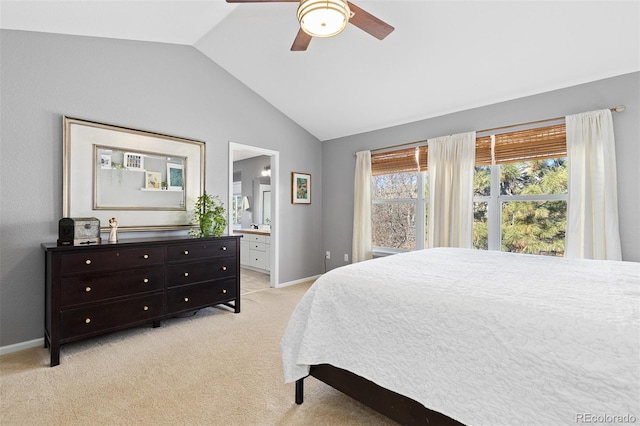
(186, 274)
(88, 261)
(224, 268)
(224, 248)
(186, 299)
(186, 252)
(224, 291)
(146, 308)
(146, 280)
(87, 289)
(146, 256)
(87, 321)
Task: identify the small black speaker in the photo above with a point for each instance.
(66, 231)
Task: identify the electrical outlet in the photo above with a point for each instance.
(327, 255)
(346, 257)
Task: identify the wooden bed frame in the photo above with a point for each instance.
(399, 408)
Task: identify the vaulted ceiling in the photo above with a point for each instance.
(444, 56)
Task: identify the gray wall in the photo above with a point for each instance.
(339, 162)
(162, 88)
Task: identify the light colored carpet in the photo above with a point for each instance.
(212, 368)
(253, 280)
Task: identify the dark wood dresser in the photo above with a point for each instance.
(99, 288)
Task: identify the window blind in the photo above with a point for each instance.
(523, 145)
(511, 147)
(408, 160)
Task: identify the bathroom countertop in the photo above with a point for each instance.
(252, 231)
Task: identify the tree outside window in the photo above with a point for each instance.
(396, 206)
(532, 204)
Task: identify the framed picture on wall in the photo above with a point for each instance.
(133, 161)
(175, 177)
(300, 188)
(152, 180)
(105, 161)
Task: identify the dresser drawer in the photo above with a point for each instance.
(193, 272)
(256, 238)
(97, 286)
(188, 297)
(100, 260)
(258, 246)
(200, 250)
(113, 315)
(258, 259)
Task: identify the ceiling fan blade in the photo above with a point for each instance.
(369, 23)
(301, 42)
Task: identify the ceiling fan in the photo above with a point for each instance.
(326, 18)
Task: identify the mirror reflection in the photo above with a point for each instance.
(251, 206)
(266, 203)
(130, 180)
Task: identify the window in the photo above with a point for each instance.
(520, 194)
(396, 204)
(531, 200)
(527, 187)
(399, 199)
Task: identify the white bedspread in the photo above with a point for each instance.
(487, 338)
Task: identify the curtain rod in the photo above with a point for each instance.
(618, 108)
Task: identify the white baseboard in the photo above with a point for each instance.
(21, 346)
(301, 280)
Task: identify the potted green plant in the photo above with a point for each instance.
(208, 216)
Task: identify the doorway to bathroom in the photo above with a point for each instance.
(253, 213)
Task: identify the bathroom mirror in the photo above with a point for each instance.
(145, 180)
(265, 197)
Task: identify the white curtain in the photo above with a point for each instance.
(451, 166)
(362, 240)
(592, 211)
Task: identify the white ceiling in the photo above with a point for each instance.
(444, 56)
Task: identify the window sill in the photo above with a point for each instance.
(384, 252)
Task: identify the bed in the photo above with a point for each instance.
(450, 336)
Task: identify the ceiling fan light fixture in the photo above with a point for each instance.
(323, 18)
